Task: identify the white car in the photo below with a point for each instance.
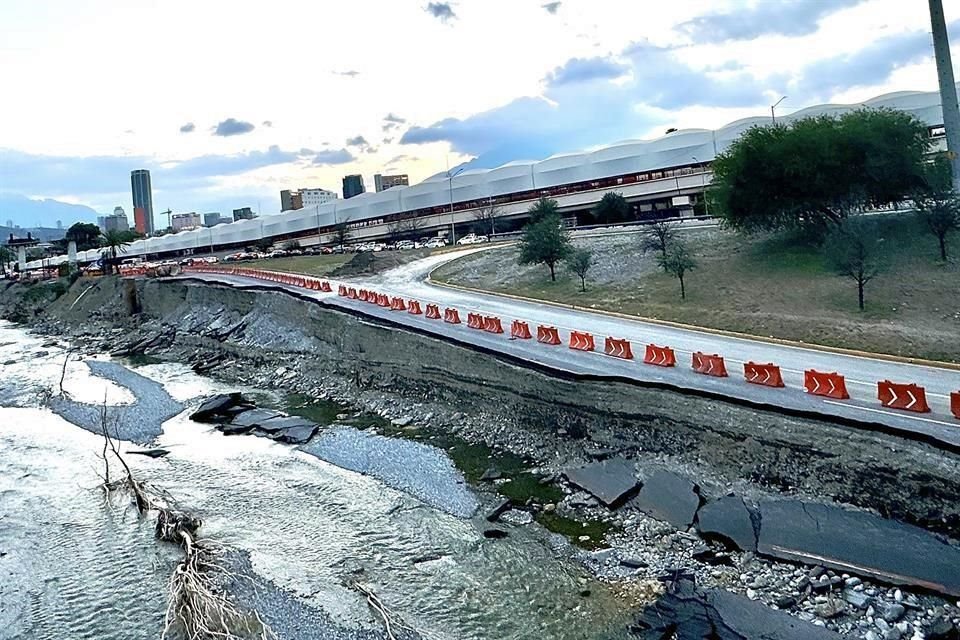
(467, 239)
(435, 243)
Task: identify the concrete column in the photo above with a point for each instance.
(948, 87)
(22, 258)
(72, 252)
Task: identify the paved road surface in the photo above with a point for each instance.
(862, 373)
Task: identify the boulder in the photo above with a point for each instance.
(612, 481)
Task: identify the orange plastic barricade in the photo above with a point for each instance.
(474, 321)
(325, 286)
(908, 397)
(955, 404)
(397, 304)
(362, 295)
(341, 290)
(659, 356)
(383, 300)
(433, 312)
(830, 385)
(451, 315)
(352, 293)
(414, 308)
(548, 335)
(618, 348)
(520, 330)
(767, 375)
(709, 365)
(581, 341)
(491, 324)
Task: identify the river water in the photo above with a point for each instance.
(73, 566)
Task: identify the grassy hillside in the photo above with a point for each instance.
(771, 286)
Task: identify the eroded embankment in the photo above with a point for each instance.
(725, 445)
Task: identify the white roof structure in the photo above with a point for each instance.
(632, 156)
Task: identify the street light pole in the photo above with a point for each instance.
(773, 108)
(948, 88)
(453, 226)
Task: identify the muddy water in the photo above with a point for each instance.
(73, 567)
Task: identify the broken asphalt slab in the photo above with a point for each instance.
(612, 481)
(858, 542)
(669, 497)
(219, 408)
(729, 520)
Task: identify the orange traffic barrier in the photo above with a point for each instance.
(352, 293)
(397, 304)
(548, 335)
(491, 324)
(955, 404)
(474, 321)
(660, 356)
(341, 290)
(383, 300)
(767, 375)
(709, 364)
(362, 295)
(830, 385)
(433, 312)
(618, 348)
(581, 341)
(325, 286)
(414, 308)
(908, 397)
(451, 315)
(520, 330)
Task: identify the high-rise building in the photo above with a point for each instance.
(244, 213)
(314, 197)
(352, 186)
(117, 221)
(290, 200)
(214, 218)
(181, 221)
(382, 183)
(142, 200)
(59, 224)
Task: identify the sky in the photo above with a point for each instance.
(227, 103)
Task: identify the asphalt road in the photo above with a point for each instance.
(862, 373)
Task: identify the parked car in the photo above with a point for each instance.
(435, 243)
(470, 238)
(277, 253)
(403, 245)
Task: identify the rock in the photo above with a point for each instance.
(516, 517)
(549, 507)
(728, 520)
(686, 612)
(786, 602)
(830, 609)
(402, 422)
(708, 556)
(582, 499)
(583, 538)
(494, 534)
(215, 409)
(584, 593)
(150, 453)
(825, 584)
(633, 563)
(669, 497)
(491, 474)
(892, 612)
(501, 507)
(942, 629)
(857, 598)
(806, 532)
(612, 481)
(9, 363)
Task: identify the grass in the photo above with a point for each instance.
(323, 412)
(308, 265)
(775, 286)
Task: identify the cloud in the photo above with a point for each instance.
(552, 7)
(392, 121)
(442, 11)
(357, 141)
(188, 128)
(387, 141)
(578, 70)
(765, 17)
(349, 73)
(268, 123)
(233, 127)
(333, 156)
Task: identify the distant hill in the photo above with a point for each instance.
(42, 234)
(29, 213)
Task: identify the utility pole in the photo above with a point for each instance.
(948, 87)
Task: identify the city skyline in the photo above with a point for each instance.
(598, 74)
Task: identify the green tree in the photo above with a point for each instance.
(341, 233)
(545, 242)
(114, 242)
(816, 171)
(854, 249)
(85, 234)
(940, 213)
(7, 255)
(677, 261)
(657, 236)
(613, 207)
(579, 262)
(543, 208)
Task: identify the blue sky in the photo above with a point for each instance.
(227, 103)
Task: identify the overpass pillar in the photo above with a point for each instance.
(22, 258)
(72, 252)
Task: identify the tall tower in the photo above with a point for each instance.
(948, 87)
(142, 200)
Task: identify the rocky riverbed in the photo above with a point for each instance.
(632, 546)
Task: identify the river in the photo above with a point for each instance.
(74, 566)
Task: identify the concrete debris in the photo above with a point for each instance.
(612, 481)
(669, 497)
(728, 520)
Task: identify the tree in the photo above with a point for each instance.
(816, 171)
(677, 260)
(341, 233)
(543, 208)
(6, 257)
(854, 250)
(85, 234)
(487, 215)
(613, 207)
(657, 236)
(405, 228)
(291, 245)
(940, 213)
(545, 242)
(114, 242)
(579, 262)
